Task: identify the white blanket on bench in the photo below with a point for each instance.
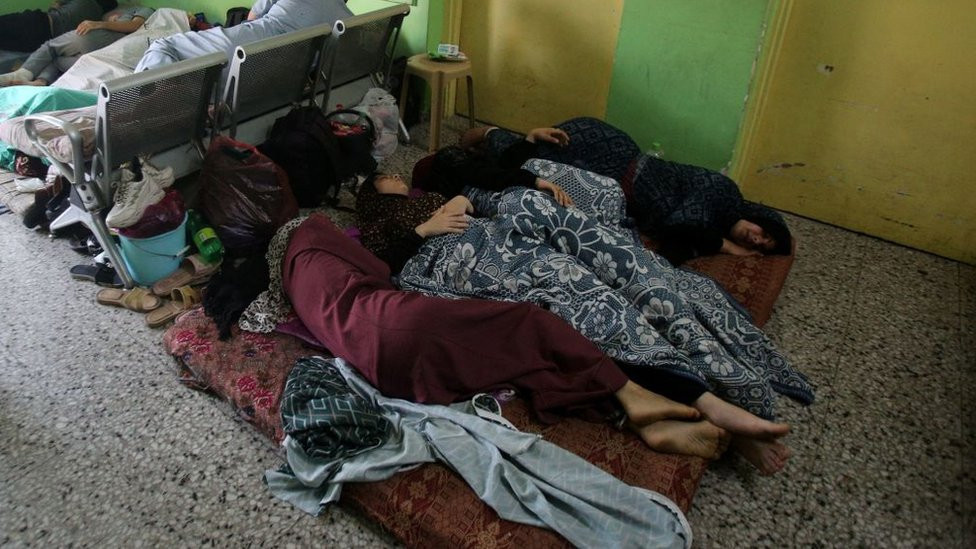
(121, 58)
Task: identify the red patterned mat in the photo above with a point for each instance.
(430, 506)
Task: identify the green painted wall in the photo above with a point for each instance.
(13, 6)
(681, 75)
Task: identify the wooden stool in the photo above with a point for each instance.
(438, 75)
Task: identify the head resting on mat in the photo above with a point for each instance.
(763, 229)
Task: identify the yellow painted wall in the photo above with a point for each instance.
(537, 62)
(867, 120)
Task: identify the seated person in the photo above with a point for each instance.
(635, 306)
(267, 18)
(57, 55)
(27, 30)
(689, 210)
(437, 351)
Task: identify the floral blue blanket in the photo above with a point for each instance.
(585, 265)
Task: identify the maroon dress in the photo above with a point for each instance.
(435, 350)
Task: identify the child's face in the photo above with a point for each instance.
(751, 236)
(391, 184)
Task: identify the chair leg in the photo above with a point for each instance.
(436, 111)
(470, 101)
(69, 217)
(403, 106)
(94, 221)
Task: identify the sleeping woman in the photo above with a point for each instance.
(688, 210)
(662, 322)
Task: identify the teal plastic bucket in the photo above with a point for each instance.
(151, 259)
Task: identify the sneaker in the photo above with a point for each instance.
(163, 178)
(131, 200)
(141, 169)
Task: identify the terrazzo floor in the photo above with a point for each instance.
(100, 446)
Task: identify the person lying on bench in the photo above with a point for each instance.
(27, 30)
(58, 54)
(437, 351)
(267, 18)
(688, 210)
(624, 298)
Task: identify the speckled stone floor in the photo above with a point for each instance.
(100, 446)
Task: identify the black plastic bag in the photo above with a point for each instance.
(244, 195)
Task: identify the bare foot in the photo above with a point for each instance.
(737, 420)
(768, 456)
(644, 407)
(698, 438)
(23, 83)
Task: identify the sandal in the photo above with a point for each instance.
(136, 299)
(193, 270)
(102, 275)
(183, 298)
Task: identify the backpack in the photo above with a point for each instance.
(356, 135)
(302, 143)
(236, 16)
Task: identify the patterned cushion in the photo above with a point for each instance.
(431, 506)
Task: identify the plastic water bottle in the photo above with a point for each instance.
(656, 151)
(204, 237)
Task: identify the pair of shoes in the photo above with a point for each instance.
(182, 299)
(194, 270)
(141, 185)
(101, 274)
(53, 197)
(132, 197)
(136, 299)
(141, 170)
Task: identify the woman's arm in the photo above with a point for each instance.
(458, 204)
(398, 248)
(260, 8)
(126, 27)
(442, 222)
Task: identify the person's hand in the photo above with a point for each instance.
(731, 248)
(458, 204)
(562, 198)
(87, 26)
(442, 222)
(548, 135)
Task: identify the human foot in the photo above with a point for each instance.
(24, 83)
(698, 438)
(643, 407)
(768, 456)
(737, 420)
(15, 77)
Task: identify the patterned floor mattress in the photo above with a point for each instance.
(430, 506)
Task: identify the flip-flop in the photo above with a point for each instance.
(136, 299)
(193, 270)
(183, 298)
(85, 244)
(99, 274)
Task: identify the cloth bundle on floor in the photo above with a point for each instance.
(525, 479)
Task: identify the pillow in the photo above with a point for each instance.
(14, 133)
